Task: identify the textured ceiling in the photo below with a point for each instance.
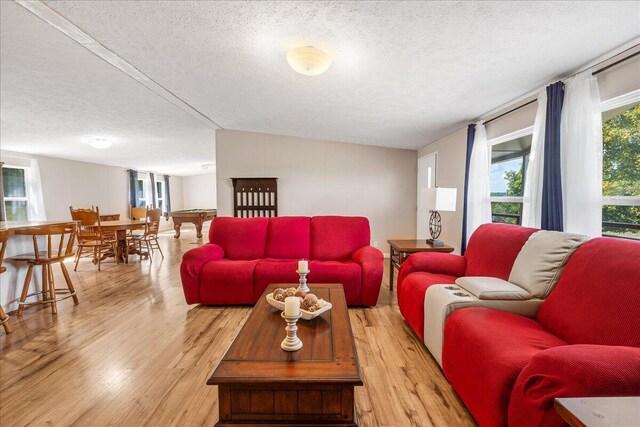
(404, 73)
(56, 97)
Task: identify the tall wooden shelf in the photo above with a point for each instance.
(255, 197)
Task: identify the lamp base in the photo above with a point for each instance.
(435, 242)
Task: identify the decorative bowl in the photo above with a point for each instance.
(304, 314)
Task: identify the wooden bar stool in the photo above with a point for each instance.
(4, 319)
(65, 233)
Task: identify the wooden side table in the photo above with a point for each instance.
(599, 411)
(401, 249)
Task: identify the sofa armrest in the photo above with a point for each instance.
(432, 262)
(192, 262)
(580, 370)
(371, 263)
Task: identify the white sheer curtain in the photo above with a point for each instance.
(479, 191)
(532, 196)
(581, 156)
(34, 193)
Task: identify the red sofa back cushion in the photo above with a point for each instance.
(240, 238)
(493, 249)
(288, 237)
(596, 299)
(334, 238)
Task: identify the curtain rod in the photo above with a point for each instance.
(596, 72)
(139, 171)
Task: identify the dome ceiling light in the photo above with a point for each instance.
(101, 143)
(309, 60)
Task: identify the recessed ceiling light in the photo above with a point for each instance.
(101, 143)
(309, 60)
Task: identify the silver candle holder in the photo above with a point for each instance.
(291, 342)
(303, 281)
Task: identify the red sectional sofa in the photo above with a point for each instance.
(245, 255)
(492, 250)
(584, 341)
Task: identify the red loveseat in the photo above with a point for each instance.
(492, 251)
(245, 255)
(584, 341)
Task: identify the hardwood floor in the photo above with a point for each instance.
(133, 353)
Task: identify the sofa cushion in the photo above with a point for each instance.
(493, 248)
(270, 270)
(227, 282)
(492, 288)
(240, 238)
(348, 273)
(411, 297)
(538, 266)
(484, 352)
(334, 238)
(288, 237)
(596, 299)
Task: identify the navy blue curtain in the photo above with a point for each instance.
(154, 188)
(552, 215)
(471, 134)
(167, 194)
(133, 181)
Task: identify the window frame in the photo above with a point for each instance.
(26, 190)
(607, 105)
(160, 194)
(499, 140)
(144, 191)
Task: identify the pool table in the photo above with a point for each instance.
(195, 216)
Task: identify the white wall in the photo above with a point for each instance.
(317, 177)
(452, 149)
(200, 191)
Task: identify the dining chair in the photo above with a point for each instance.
(4, 319)
(54, 253)
(150, 236)
(91, 240)
(138, 213)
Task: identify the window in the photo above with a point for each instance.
(141, 193)
(160, 195)
(621, 167)
(509, 161)
(16, 202)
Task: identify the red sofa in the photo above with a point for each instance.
(492, 250)
(245, 255)
(584, 341)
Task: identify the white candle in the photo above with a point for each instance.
(291, 306)
(303, 266)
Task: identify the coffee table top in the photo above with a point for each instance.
(328, 353)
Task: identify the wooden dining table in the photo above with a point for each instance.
(120, 228)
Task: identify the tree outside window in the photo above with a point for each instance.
(621, 171)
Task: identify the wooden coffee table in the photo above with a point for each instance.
(261, 384)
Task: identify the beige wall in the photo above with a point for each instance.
(318, 177)
(199, 191)
(452, 149)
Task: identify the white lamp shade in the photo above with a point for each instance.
(439, 199)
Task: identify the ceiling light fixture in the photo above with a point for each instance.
(309, 60)
(101, 143)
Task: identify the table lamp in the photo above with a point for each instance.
(438, 199)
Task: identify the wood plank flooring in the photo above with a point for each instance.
(133, 353)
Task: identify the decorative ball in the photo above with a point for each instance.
(311, 299)
(300, 293)
(290, 292)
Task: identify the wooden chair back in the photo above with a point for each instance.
(153, 224)
(88, 223)
(138, 213)
(4, 236)
(64, 233)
